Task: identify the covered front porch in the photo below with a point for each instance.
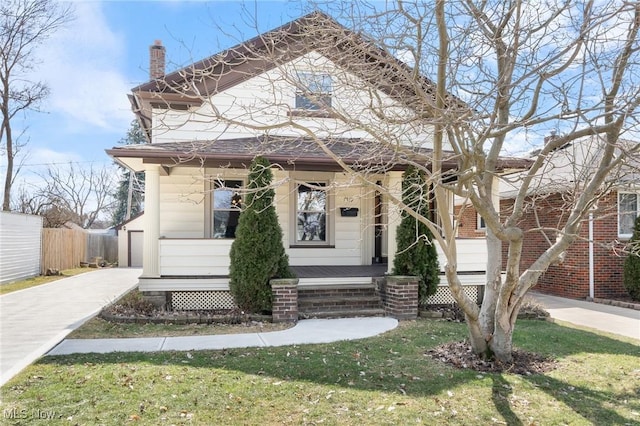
(186, 264)
(181, 291)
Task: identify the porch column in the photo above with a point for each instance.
(150, 263)
(394, 186)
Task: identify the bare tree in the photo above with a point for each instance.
(80, 195)
(505, 71)
(24, 25)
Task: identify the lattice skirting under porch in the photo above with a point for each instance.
(443, 295)
(201, 300)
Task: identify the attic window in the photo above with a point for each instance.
(313, 92)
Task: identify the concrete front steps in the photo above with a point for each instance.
(352, 299)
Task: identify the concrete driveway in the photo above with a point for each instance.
(36, 319)
(612, 319)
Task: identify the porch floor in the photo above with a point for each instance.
(377, 270)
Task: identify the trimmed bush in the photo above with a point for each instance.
(632, 264)
(257, 253)
(416, 254)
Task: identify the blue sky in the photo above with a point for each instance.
(93, 63)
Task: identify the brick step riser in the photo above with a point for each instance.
(313, 303)
(339, 305)
(343, 313)
(307, 294)
(338, 308)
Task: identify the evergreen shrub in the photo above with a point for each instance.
(257, 253)
(416, 253)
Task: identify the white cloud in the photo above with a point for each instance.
(33, 165)
(46, 156)
(83, 66)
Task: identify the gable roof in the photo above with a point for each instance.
(313, 32)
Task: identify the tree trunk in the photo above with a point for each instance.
(501, 343)
(8, 181)
(478, 338)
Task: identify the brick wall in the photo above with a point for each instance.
(571, 278)
(399, 296)
(285, 300)
(468, 222)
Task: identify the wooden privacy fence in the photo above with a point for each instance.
(104, 246)
(66, 248)
(62, 248)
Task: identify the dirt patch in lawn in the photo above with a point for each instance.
(460, 355)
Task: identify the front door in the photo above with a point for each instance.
(379, 232)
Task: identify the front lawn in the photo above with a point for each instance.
(41, 279)
(381, 380)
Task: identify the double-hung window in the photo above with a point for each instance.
(226, 205)
(627, 213)
(313, 91)
(311, 213)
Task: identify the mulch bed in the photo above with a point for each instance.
(120, 314)
(460, 355)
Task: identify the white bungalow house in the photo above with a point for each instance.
(292, 96)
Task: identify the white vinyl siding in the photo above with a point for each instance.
(182, 207)
(194, 257)
(268, 98)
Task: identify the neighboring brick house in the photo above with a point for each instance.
(593, 265)
(573, 276)
(470, 224)
(576, 277)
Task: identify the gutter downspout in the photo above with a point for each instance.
(591, 260)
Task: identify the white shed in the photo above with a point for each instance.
(20, 245)
(131, 242)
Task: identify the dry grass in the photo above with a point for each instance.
(39, 280)
(385, 380)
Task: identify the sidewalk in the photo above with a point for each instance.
(611, 319)
(35, 319)
(305, 331)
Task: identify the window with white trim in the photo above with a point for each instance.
(226, 206)
(627, 212)
(311, 213)
(480, 225)
(314, 91)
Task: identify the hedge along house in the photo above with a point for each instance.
(593, 266)
(295, 96)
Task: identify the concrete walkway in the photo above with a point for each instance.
(612, 319)
(305, 331)
(36, 319)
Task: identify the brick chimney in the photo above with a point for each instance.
(156, 60)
